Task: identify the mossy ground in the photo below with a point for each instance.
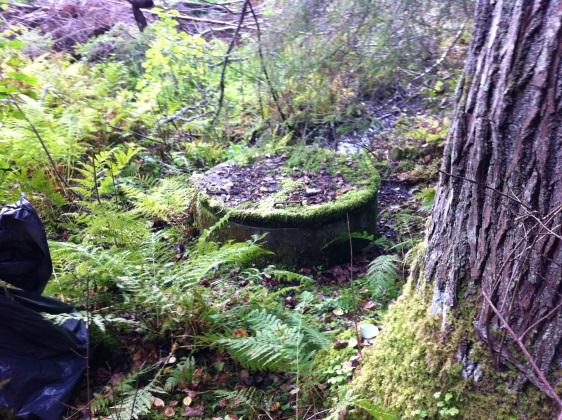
(413, 370)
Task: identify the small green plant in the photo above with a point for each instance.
(382, 276)
(273, 340)
(427, 197)
(445, 403)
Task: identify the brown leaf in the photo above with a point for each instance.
(244, 375)
(195, 411)
(340, 344)
(369, 304)
(240, 332)
(158, 402)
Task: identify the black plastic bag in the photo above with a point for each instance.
(40, 362)
(25, 261)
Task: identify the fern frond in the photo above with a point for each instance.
(182, 374)
(203, 241)
(288, 276)
(168, 200)
(98, 175)
(251, 397)
(201, 266)
(98, 320)
(279, 340)
(382, 274)
(136, 402)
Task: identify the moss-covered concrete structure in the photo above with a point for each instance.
(302, 203)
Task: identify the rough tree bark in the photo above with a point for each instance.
(496, 224)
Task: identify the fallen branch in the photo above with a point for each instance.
(179, 114)
(202, 20)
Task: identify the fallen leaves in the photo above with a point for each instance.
(195, 411)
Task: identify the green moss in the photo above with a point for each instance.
(353, 168)
(309, 159)
(413, 367)
(362, 175)
(297, 215)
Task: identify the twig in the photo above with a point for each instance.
(550, 390)
(520, 252)
(203, 20)
(263, 66)
(179, 113)
(352, 285)
(442, 58)
(227, 58)
(538, 321)
(96, 190)
(135, 396)
(530, 211)
(472, 181)
(88, 322)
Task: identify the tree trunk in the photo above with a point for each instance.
(495, 230)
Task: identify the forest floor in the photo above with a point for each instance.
(408, 168)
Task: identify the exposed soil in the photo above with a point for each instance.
(245, 186)
(393, 196)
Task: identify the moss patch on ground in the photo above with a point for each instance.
(413, 369)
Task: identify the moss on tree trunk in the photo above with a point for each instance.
(417, 370)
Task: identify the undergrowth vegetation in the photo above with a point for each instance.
(104, 140)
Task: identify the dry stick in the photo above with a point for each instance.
(472, 181)
(552, 393)
(427, 71)
(135, 396)
(88, 322)
(263, 67)
(519, 339)
(530, 211)
(96, 190)
(538, 321)
(227, 58)
(203, 20)
(442, 58)
(542, 223)
(357, 334)
(46, 150)
(158, 373)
